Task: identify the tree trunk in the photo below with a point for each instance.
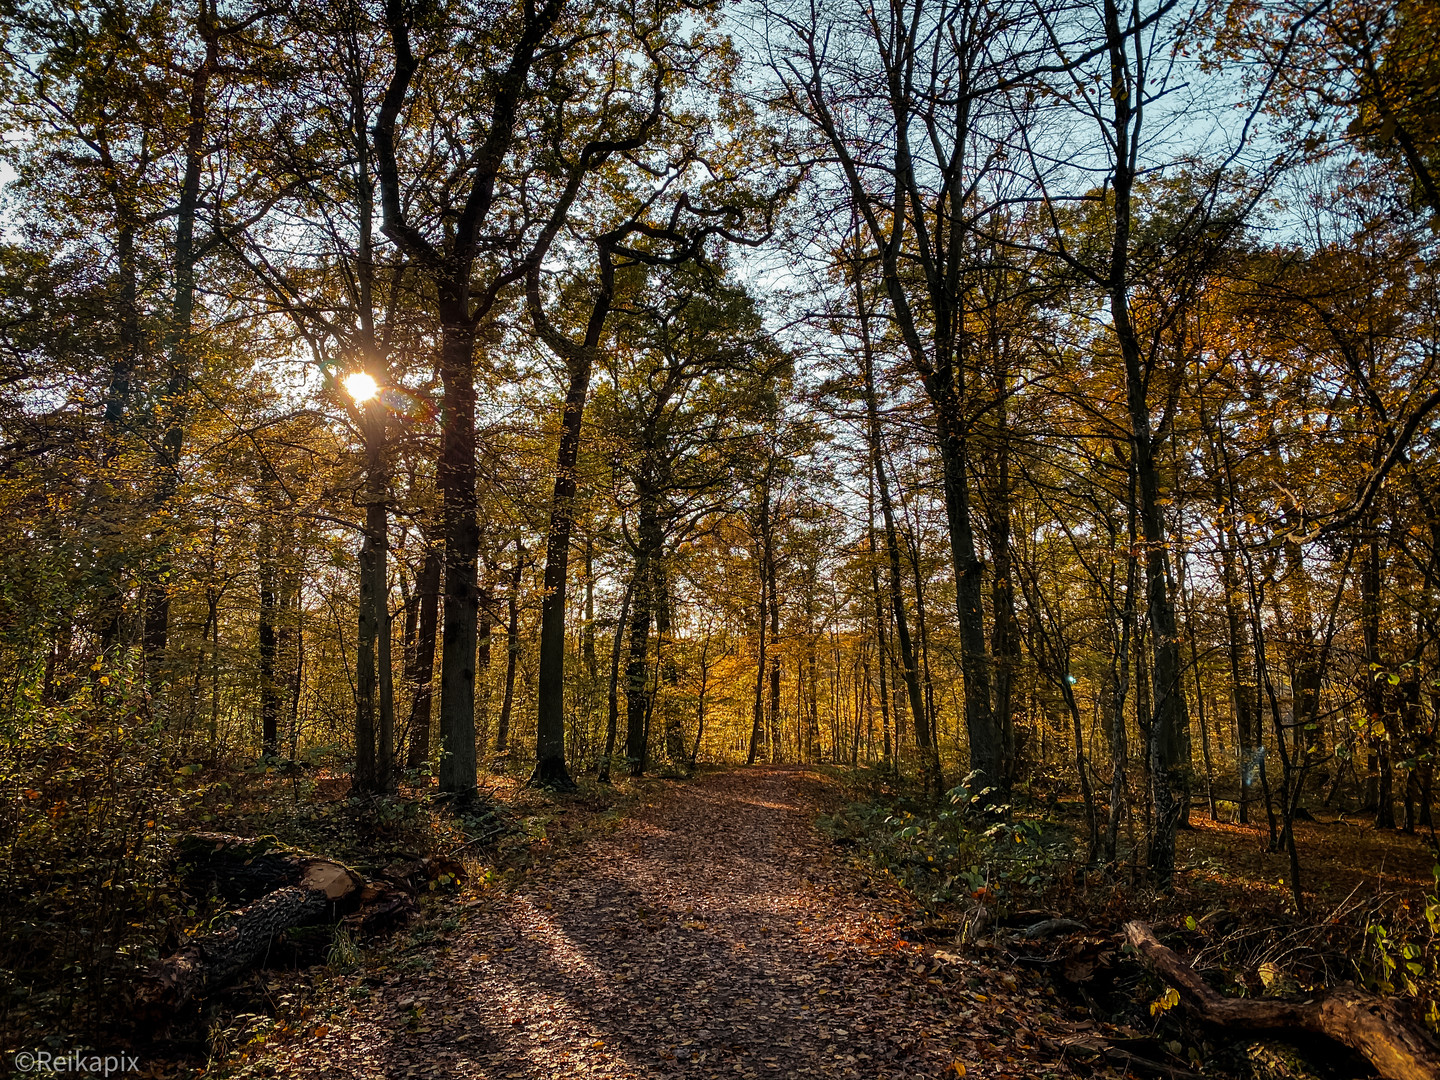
(613, 718)
(1120, 676)
(637, 674)
(456, 479)
(882, 653)
(177, 339)
(1244, 700)
(668, 678)
(587, 633)
(930, 768)
(763, 580)
(512, 652)
(269, 685)
(777, 751)
(550, 771)
(1199, 689)
(700, 702)
(374, 705)
(1166, 736)
(484, 661)
(419, 675)
(279, 888)
(812, 726)
(1005, 642)
(1374, 692)
(986, 743)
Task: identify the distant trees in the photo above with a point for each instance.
(691, 378)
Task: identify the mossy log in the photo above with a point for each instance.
(1377, 1028)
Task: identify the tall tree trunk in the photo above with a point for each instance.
(932, 729)
(1005, 642)
(1199, 686)
(813, 714)
(385, 741)
(882, 652)
(460, 607)
(587, 634)
(289, 647)
(637, 673)
(613, 718)
(982, 728)
(420, 673)
(550, 771)
(705, 666)
(1246, 701)
(374, 698)
(512, 651)
(178, 334)
(110, 602)
(269, 685)
(772, 587)
(763, 582)
(930, 762)
(1120, 673)
(1374, 692)
(1167, 730)
(484, 661)
(296, 632)
(669, 673)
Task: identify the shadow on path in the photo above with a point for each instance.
(713, 934)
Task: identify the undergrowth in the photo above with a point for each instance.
(954, 853)
(93, 795)
(968, 871)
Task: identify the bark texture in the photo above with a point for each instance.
(1374, 1027)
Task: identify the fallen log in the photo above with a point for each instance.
(1050, 927)
(241, 869)
(1375, 1027)
(286, 889)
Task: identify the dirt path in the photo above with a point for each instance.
(714, 934)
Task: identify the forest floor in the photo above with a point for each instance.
(763, 922)
(712, 933)
(1340, 856)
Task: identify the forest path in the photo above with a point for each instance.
(713, 934)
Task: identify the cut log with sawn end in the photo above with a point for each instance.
(284, 887)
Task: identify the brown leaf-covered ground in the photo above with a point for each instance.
(713, 934)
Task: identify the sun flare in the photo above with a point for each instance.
(361, 386)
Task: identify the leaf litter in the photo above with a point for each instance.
(713, 933)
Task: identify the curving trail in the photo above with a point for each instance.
(712, 935)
